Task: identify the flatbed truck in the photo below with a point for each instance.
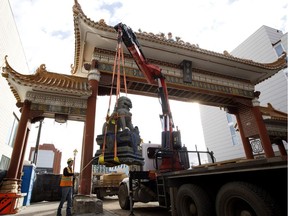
(241, 187)
(106, 182)
(237, 187)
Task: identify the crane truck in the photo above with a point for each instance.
(243, 187)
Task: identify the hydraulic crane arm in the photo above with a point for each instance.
(153, 75)
(150, 71)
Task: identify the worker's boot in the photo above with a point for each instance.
(59, 212)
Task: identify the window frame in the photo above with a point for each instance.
(10, 140)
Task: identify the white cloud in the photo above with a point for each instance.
(214, 25)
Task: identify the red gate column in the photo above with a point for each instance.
(245, 141)
(25, 139)
(10, 181)
(263, 134)
(87, 149)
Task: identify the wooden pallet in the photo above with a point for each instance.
(220, 163)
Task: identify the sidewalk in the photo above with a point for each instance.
(50, 208)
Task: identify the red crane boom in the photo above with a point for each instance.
(171, 140)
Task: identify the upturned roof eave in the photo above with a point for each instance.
(43, 80)
(272, 113)
(159, 48)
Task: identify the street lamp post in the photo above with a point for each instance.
(75, 153)
(74, 190)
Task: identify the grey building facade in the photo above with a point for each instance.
(265, 45)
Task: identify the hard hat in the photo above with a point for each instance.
(69, 160)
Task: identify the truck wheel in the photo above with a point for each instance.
(123, 197)
(242, 198)
(192, 200)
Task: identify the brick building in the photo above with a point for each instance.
(48, 159)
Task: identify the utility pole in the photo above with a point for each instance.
(37, 142)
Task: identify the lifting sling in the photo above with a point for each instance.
(119, 57)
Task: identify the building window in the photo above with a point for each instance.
(279, 49)
(285, 71)
(232, 129)
(4, 163)
(12, 132)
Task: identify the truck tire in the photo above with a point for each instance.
(242, 198)
(123, 197)
(192, 200)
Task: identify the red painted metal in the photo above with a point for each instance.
(9, 203)
(153, 74)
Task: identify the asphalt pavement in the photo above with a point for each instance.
(50, 209)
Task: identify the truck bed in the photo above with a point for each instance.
(269, 174)
(231, 166)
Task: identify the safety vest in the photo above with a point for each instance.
(67, 181)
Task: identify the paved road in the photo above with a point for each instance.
(110, 208)
(139, 209)
(50, 208)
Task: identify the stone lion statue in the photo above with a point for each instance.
(119, 129)
(121, 117)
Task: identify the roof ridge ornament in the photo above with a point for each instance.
(6, 68)
(41, 69)
(77, 8)
(102, 22)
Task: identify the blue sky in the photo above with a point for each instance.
(47, 32)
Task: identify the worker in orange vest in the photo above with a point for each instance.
(66, 184)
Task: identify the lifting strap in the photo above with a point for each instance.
(119, 56)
